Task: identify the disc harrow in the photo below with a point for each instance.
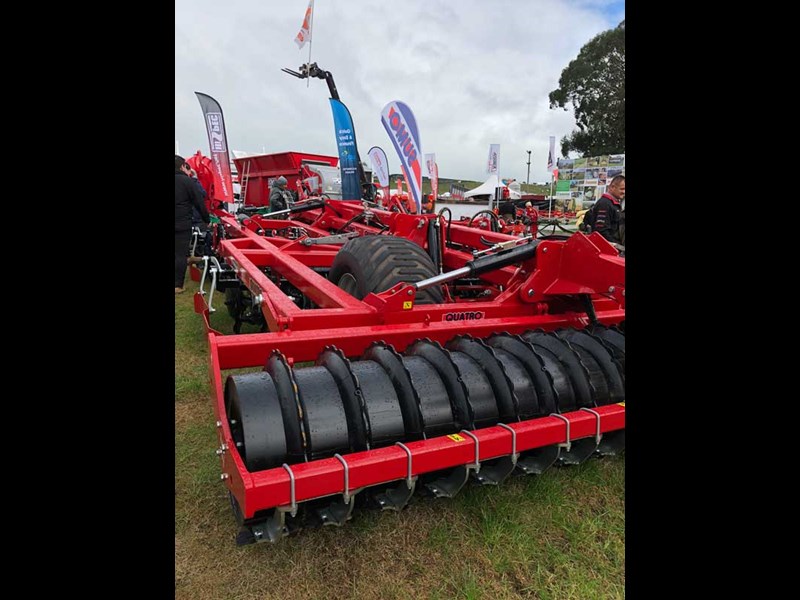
(403, 354)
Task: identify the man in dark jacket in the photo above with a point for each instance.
(607, 211)
(279, 197)
(204, 241)
(186, 196)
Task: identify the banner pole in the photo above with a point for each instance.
(311, 41)
(551, 194)
(497, 187)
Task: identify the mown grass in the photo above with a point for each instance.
(555, 537)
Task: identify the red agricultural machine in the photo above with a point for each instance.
(306, 175)
(402, 353)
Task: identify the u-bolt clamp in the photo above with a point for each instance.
(341, 459)
(513, 441)
(568, 444)
(597, 435)
(477, 464)
(409, 479)
(291, 489)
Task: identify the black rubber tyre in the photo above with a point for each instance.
(375, 263)
(251, 404)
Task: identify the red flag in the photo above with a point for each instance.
(304, 35)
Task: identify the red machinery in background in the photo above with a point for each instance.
(522, 222)
(306, 174)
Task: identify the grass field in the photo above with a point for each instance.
(556, 537)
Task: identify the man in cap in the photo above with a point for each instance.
(280, 198)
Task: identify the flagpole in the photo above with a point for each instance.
(497, 187)
(551, 162)
(311, 41)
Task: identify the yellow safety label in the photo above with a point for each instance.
(455, 437)
(621, 403)
(408, 305)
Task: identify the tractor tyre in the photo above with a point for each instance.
(375, 263)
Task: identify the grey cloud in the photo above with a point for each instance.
(473, 72)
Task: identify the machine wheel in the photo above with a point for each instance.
(375, 263)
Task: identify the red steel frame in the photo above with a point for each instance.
(579, 265)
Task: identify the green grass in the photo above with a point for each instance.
(559, 536)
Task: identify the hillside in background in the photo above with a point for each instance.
(444, 185)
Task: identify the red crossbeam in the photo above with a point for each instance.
(325, 477)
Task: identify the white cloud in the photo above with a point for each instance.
(473, 72)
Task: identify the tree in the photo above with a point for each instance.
(595, 85)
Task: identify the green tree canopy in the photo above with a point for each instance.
(595, 85)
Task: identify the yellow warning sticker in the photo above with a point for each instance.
(621, 403)
(408, 305)
(455, 437)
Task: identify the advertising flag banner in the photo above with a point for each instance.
(380, 165)
(491, 163)
(218, 145)
(551, 156)
(348, 151)
(433, 173)
(304, 35)
(400, 124)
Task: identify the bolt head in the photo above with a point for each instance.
(530, 293)
(544, 249)
(611, 289)
(410, 292)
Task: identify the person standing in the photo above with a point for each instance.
(608, 209)
(280, 198)
(531, 219)
(427, 207)
(186, 196)
(197, 220)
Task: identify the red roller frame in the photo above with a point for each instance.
(271, 488)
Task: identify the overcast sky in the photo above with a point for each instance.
(473, 72)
